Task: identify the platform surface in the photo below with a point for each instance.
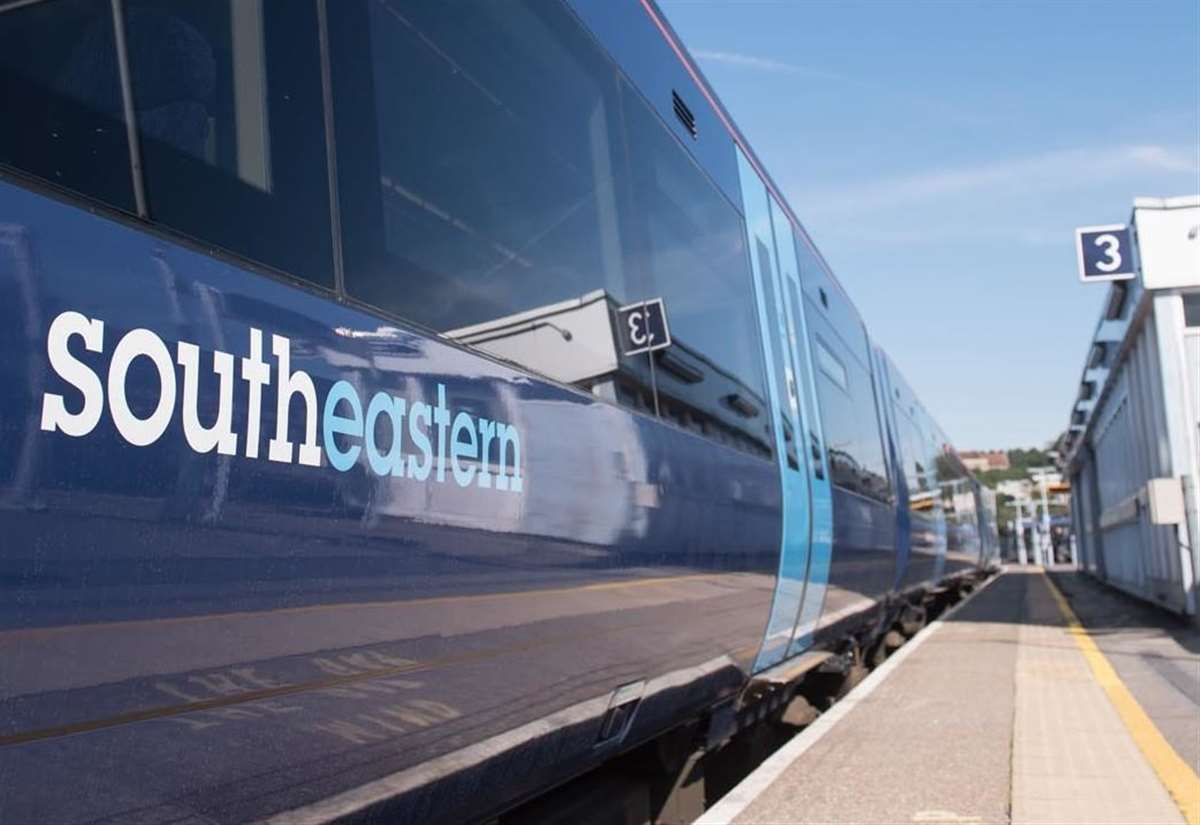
(997, 714)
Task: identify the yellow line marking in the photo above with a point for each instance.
(1176, 775)
(320, 608)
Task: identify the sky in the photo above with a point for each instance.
(941, 155)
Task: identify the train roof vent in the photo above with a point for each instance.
(684, 114)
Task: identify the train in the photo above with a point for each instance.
(409, 410)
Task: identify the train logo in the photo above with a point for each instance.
(442, 440)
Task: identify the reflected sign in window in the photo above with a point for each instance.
(643, 327)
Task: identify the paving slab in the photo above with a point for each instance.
(1073, 758)
(993, 717)
(1156, 654)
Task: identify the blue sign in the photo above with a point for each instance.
(1105, 253)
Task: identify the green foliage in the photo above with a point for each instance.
(1024, 459)
(990, 478)
(1019, 460)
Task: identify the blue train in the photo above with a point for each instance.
(407, 408)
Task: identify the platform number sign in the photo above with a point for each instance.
(1105, 253)
(642, 327)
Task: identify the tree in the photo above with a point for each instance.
(1023, 459)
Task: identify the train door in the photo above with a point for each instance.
(885, 397)
(811, 436)
(785, 406)
(941, 516)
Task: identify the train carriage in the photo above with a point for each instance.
(407, 408)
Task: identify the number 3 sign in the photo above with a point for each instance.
(1105, 253)
(643, 327)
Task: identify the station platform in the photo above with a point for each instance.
(1044, 698)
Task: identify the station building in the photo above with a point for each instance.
(1133, 446)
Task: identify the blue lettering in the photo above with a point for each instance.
(463, 476)
(508, 436)
(393, 462)
(487, 431)
(419, 410)
(337, 425)
(441, 417)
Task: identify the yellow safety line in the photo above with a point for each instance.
(1176, 775)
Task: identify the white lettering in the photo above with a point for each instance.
(55, 416)
(220, 435)
(141, 432)
(257, 375)
(292, 383)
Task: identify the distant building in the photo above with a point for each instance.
(1016, 488)
(978, 461)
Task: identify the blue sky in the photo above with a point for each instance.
(941, 155)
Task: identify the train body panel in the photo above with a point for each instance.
(162, 579)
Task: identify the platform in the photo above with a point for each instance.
(1006, 710)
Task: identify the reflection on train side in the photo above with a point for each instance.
(575, 342)
(201, 490)
(958, 493)
(306, 698)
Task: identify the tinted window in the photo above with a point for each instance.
(848, 416)
(764, 266)
(827, 297)
(912, 445)
(1191, 310)
(802, 361)
(689, 242)
(229, 114)
(487, 193)
(476, 157)
(62, 98)
(958, 498)
(648, 60)
(831, 366)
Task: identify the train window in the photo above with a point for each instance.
(476, 156)
(848, 414)
(1191, 310)
(912, 446)
(62, 98)
(486, 195)
(689, 241)
(830, 301)
(231, 126)
(831, 366)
